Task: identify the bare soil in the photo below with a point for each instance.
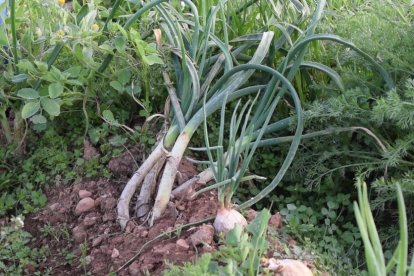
(92, 241)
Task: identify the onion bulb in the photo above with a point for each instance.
(227, 219)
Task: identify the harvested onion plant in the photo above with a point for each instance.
(209, 71)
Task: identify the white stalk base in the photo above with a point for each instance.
(135, 181)
(168, 177)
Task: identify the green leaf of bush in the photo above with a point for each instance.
(152, 59)
(124, 76)
(117, 86)
(117, 140)
(38, 119)
(19, 78)
(120, 43)
(55, 90)
(51, 106)
(29, 109)
(109, 117)
(28, 93)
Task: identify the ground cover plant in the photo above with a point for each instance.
(256, 94)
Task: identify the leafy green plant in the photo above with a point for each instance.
(374, 255)
(57, 233)
(240, 254)
(15, 255)
(57, 67)
(54, 159)
(83, 247)
(187, 111)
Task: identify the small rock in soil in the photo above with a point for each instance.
(115, 253)
(79, 234)
(97, 241)
(182, 244)
(204, 235)
(276, 220)
(133, 269)
(84, 205)
(84, 193)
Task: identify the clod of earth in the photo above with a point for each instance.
(89, 151)
(288, 267)
(89, 221)
(204, 235)
(97, 241)
(79, 234)
(55, 207)
(251, 215)
(84, 193)
(182, 244)
(134, 269)
(276, 220)
(84, 205)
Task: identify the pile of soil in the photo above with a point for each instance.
(80, 221)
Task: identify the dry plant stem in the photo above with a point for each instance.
(202, 178)
(4, 121)
(168, 177)
(19, 133)
(135, 181)
(142, 206)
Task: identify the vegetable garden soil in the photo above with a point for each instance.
(108, 248)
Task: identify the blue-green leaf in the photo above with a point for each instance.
(55, 90)
(28, 93)
(51, 106)
(29, 109)
(38, 119)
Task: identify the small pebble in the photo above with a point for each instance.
(84, 193)
(183, 244)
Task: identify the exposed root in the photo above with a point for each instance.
(135, 181)
(142, 206)
(185, 189)
(168, 177)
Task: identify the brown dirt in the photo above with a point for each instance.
(95, 240)
(92, 241)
